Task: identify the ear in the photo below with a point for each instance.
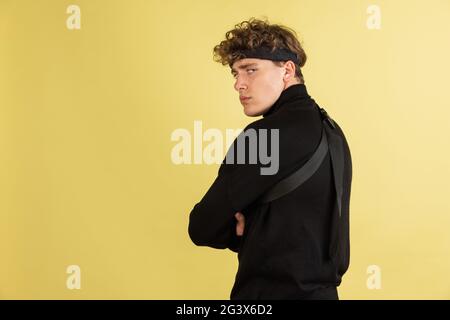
(290, 70)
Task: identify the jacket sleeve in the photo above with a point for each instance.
(237, 186)
(212, 222)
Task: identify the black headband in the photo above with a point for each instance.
(268, 54)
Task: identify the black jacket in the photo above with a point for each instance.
(284, 252)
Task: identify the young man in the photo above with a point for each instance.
(294, 246)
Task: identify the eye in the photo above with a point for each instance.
(251, 70)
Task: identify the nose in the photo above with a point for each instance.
(240, 84)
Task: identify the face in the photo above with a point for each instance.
(260, 83)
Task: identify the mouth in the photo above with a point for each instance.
(244, 99)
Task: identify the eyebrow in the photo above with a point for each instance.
(244, 66)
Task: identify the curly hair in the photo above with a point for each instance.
(255, 33)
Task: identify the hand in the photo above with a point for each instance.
(240, 223)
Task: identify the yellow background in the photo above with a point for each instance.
(86, 176)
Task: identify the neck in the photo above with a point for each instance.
(291, 83)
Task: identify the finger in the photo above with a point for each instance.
(240, 224)
(240, 228)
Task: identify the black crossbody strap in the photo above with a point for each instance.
(330, 141)
(301, 175)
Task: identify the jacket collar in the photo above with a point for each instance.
(292, 93)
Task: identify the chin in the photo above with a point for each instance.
(252, 113)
